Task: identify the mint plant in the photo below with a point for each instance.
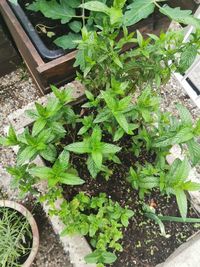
(104, 236)
(121, 113)
(59, 173)
(97, 151)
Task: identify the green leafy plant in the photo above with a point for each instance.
(59, 173)
(15, 234)
(97, 150)
(121, 113)
(103, 224)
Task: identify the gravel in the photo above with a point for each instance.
(16, 90)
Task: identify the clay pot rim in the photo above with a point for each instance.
(35, 233)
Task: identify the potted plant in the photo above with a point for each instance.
(56, 66)
(19, 235)
(107, 159)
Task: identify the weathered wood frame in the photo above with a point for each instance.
(61, 70)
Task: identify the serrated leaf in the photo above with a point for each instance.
(68, 41)
(185, 115)
(121, 119)
(49, 153)
(187, 58)
(42, 172)
(92, 168)
(179, 171)
(118, 134)
(97, 158)
(78, 147)
(194, 150)
(139, 9)
(38, 126)
(182, 202)
(26, 154)
(70, 179)
(110, 148)
(181, 16)
(75, 26)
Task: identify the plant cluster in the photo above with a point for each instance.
(16, 238)
(122, 103)
(77, 14)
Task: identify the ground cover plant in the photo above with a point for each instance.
(108, 156)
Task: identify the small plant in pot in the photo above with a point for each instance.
(107, 157)
(19, 235)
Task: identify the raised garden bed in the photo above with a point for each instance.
(60, 70)
(143, 245)
(108, 160)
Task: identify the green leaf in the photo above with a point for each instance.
(79, 147)
(70, 179)
(96, 6)
(63, 159)
(110, 148)
(97, 158)
(185, 115)
(93, 257)
(139, 9)
(184, 135)
(108, 257)
(26, 154)
(149, 182)
(182, 202)
(49, 153)
(75, 26)
(194, 150)
(124, 220)
(116, 16)
(54, 10)
(38, 126)
(191, 186)
(181, 16)
(118, 134)
(68, 41)
(121, 119)
(41, 172)
(187, 58)
(179, 171)
(92, 167)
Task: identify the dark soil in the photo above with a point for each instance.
(143, 245)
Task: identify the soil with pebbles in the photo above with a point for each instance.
(16, 91)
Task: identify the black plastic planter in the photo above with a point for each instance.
(33, 35)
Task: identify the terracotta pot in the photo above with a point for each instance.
(34, 228)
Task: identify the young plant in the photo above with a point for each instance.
(182, 132)
(98, 151)
(61, 172)
(84, 215)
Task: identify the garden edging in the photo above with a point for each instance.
(77, 246)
